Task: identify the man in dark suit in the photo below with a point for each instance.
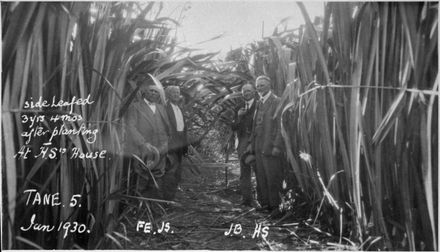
(148, 125)
(266, 143)
(178, 141)
(243, 126)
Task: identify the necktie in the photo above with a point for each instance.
(259, 102)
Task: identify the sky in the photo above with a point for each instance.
(239, 22)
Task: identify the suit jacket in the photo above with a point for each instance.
(177, 140)
(243, 126)
(270, 133)
(141, 122)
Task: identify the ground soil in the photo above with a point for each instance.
(207, 207)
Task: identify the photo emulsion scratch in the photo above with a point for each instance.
(219, 125)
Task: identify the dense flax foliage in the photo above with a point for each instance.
(76, 49)
(378, 124)
(360, 120)
(66, 50)
(359, 92)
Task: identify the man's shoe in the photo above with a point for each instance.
(249, 203)
(264, 208)
(246, 204)
(275, 213)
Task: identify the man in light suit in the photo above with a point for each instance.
(178, 141)
(267, 144)
(148, 125)
(243, 126)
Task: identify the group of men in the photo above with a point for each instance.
(154, 126)
(259, 139)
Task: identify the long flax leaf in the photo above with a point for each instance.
(354, 142)
(10, 170)
(426, 133)
(289, 152)
(19, 22)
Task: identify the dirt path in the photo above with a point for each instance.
(208, 209)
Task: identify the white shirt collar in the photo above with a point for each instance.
(148, 102)
(172, 103)
(174, 106)
(264, 98)
(250, 102)
(178, 115)
(152, 105)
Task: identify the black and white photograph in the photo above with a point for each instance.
(220, 125)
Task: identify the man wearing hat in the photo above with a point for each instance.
(148, 125)
(267, 144)
(243, 126)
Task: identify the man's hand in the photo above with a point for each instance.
(163, 149)
(150, 154)
(148, 148)
(241, 112)
(249, 149)
(276, 151)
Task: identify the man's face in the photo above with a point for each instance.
(248, 92)
(263, 86)
(174, 95)
(151, 93)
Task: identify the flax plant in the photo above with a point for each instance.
(359, 95)
(369, 114)
(76, 49)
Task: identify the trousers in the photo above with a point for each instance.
(269, 174)
(245, 171)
